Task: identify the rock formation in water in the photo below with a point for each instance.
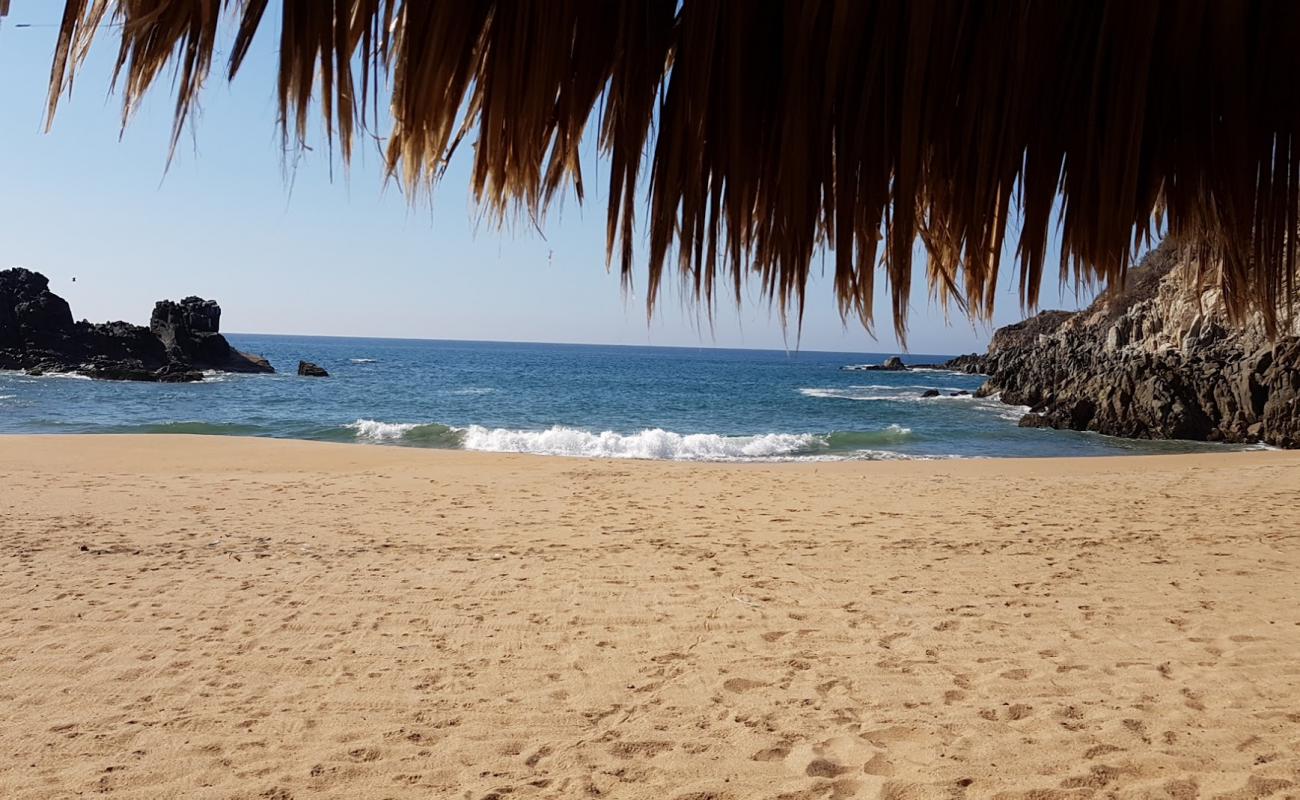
(1156, 360)
(971, 364)
(891, 364)
(310, 370)
(38, 334)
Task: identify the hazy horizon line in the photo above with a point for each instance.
(788, 350)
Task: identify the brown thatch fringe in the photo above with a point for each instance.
(771, 131)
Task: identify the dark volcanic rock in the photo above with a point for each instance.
(31, 316)
(930, 393)
(1157, 360)
(310, 370)
(971, 364)
(1032, 420)
(37, 334)
(891, 364)
(188, 331)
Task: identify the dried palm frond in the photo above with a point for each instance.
(768, 132)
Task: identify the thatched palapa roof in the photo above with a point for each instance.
(767, 134)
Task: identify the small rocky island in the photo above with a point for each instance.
(1156, 360)
(38, 334)
(891, 364)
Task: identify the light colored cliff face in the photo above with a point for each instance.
(1183, 308)
(1158, 358)
(1164, 307)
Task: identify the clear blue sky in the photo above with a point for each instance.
(290, 249)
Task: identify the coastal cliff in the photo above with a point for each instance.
(1155, 360)
(38, 334)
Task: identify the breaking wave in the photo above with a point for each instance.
(407, 433)
(656, 443)
(652, 444)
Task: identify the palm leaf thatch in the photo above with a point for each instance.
(769, 135)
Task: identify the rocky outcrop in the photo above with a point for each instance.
(971, 364)
(891, 364)
(1156, 360)
(38, 334)
(310, 370)
(189, 332)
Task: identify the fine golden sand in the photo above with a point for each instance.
(233, 618)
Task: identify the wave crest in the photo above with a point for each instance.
(377, 431)
(655, 443)
(651, 444)
(408, 433)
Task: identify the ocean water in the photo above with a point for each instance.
(575, 400)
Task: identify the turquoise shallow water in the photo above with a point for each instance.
(621, 402)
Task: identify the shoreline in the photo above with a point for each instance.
(135, 440)
(219, 617)
(878, 456)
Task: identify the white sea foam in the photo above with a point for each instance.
(655, 444)
(837, 394)
(1008, 412)
(472, 390)
(1005, 410)
(890, 455)
(362, 360)
(26, 377)
(376, 431)
(69, 375)
(8, 396)
(900, 394)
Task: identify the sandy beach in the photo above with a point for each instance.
(207, 617)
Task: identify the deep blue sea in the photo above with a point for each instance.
(580, 400)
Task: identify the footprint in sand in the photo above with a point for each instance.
(741, 684)
(537, 756)
(776, 753)
(640, 749)
(822, 768)
(1019, 711)
(878, 765)
(364, 754)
